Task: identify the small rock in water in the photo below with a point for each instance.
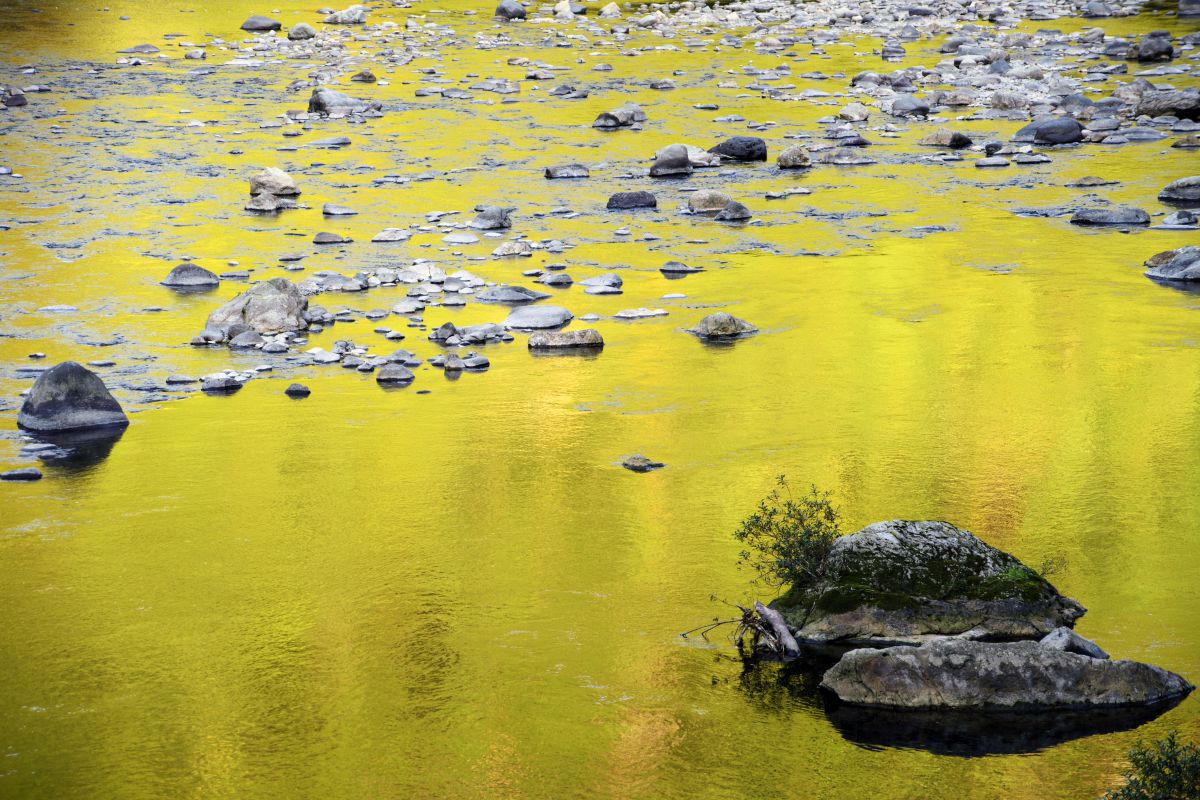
(23, 474)
(578, 338)
(622, 201)
(639, 463)
(1116, 215)
(722, 326)
(567, 171)
(190, 276)
(297, 390)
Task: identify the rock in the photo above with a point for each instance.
(297, 390)
(722, 326)
(671, 161)
(275, 182)
(1071, 642)
(626, 116)
(707, 200)
(393, 373)
(189, 276)
(675, 268)
(734, 212)
(258, 23)
(220, 384)
(510, 10)
(273, 306)
(355, 15)
(302, 31)
(639, 463)
(334, 210)
(1184, 192)
(1111, 215)
(1050, 130)
(537, 317)
(69, 397)
(567, 171)
(246, 340)
(577, 338)
(905, 105)
(903, 582)
(854, 112)
(610, 11)
(326, 101)
(510, 294)
(944, 137)
(1182, 217)
(627, 200)
(995, 676)
(991, 161)
(490, 218)
(741, 148)
(325, 237)
(1175, 265)
(391, 235)
(23, 474)
(509, 249)
(794, 157)
(1154, 46)
(1180, 103)
(269, 202)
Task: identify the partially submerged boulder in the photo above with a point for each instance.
(273, 306)
(1175, 265)
(958, 674)
(722, 326)
(1183, 192)
(70, 397)
(327, 101)
(187, 275)
(903, 582)
(579, 338)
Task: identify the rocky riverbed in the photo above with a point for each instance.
(617, 265)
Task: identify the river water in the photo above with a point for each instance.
(462, 594)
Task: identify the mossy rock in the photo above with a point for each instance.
(907, 582)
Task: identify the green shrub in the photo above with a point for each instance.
(788, 539)
(1166, 770)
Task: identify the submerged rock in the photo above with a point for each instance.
(190, 276)
(70, 397)
(297, 390)
(722, 326)
(639, 463)
(538, 317)
(23, 474)
(962, 674)
(902, 582)
(573, 339)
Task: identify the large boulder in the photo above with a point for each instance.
(273, 181)
(261, 23)
(722, 326)
(627, 115)
(1183, 192)
(1050, 130)
(273, 306)
(190, 276)
(1170, 102)
(572, 339)
(958, 674)
(69, 397)
(670, 161)
(1175, 265)
(741, 148)
(327, 101)
(510, 10)
(903, 582)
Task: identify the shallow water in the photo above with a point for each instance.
(461, 594)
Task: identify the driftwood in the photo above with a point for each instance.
(785, 642)
(765, 628)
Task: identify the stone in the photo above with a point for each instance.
(297, 390)
(707, 200)
(1175, 265)
(674, 268)
(273, 306)
(275, 182)
(722, 326)
(944, 137)
(302, 31)
(1110, 215)
(567, 171)
(391, 235)
(794, 157)
(510, 294)
(671, 161)
(490, 218)
(190, 276)
(626, 116)
(741, 148)
(69, 397)
(854, 112)
(1183, 192)
(639, 463)
(578, 338)
(538, 317)
(511, 248)
(269, 202)
(1154, 46)
(220, 384)
(334, 210)
(1050, 130)
(733, 212)
(510, 10)
(905, 582)
(326, 101)
(259, 23)
(1068, 640)
(355, 15)
(393, 374)
(325, 237)
(23, 474)
(991, 161)
(1181, 103)
(622, 201)
(1009, 676)
(905, 105)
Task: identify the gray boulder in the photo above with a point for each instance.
(1154, 46)
(326, 101)
(536, 317)
(734, 212)
(1066, 639)
(273, 181)
(567, 171)
(1010, 676)
(722, 326)
(69, 397)
(302, 31)
(1183, 192)
(273, 306)
(510, 10)
(671, 161)
(1175, 265)
(905, 105)
(1112, 215)
(902, 582)
(490, 218)
(260, 23)
(622, 201)
(1181, 103)
(1050, 130)
(190, 276)
(626, 116)
(510, 294)
(578, 338)
(393, 373)
(794, 157)
(354, 15)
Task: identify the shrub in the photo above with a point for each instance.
(788, 539)
(1166, 770)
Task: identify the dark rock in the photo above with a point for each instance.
(672, 161)
(69, 397)
(510, 10)
(1110, 215)
(905, 105)
(722, 326)
(393, 373)
(1181, 103)
(259, 23)
(639, 463)
(1175, 265)
(742, 148)
(190, 276)
(297, 390)
(733, 212)
(1050, 130)
(627, 200)
(23, 474)
(1183, 192)
(326, 101)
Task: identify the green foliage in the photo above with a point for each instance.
(788, 539)
(1166, 770)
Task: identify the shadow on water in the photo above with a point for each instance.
(775, 686)
(79, 451)
(582, 353)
